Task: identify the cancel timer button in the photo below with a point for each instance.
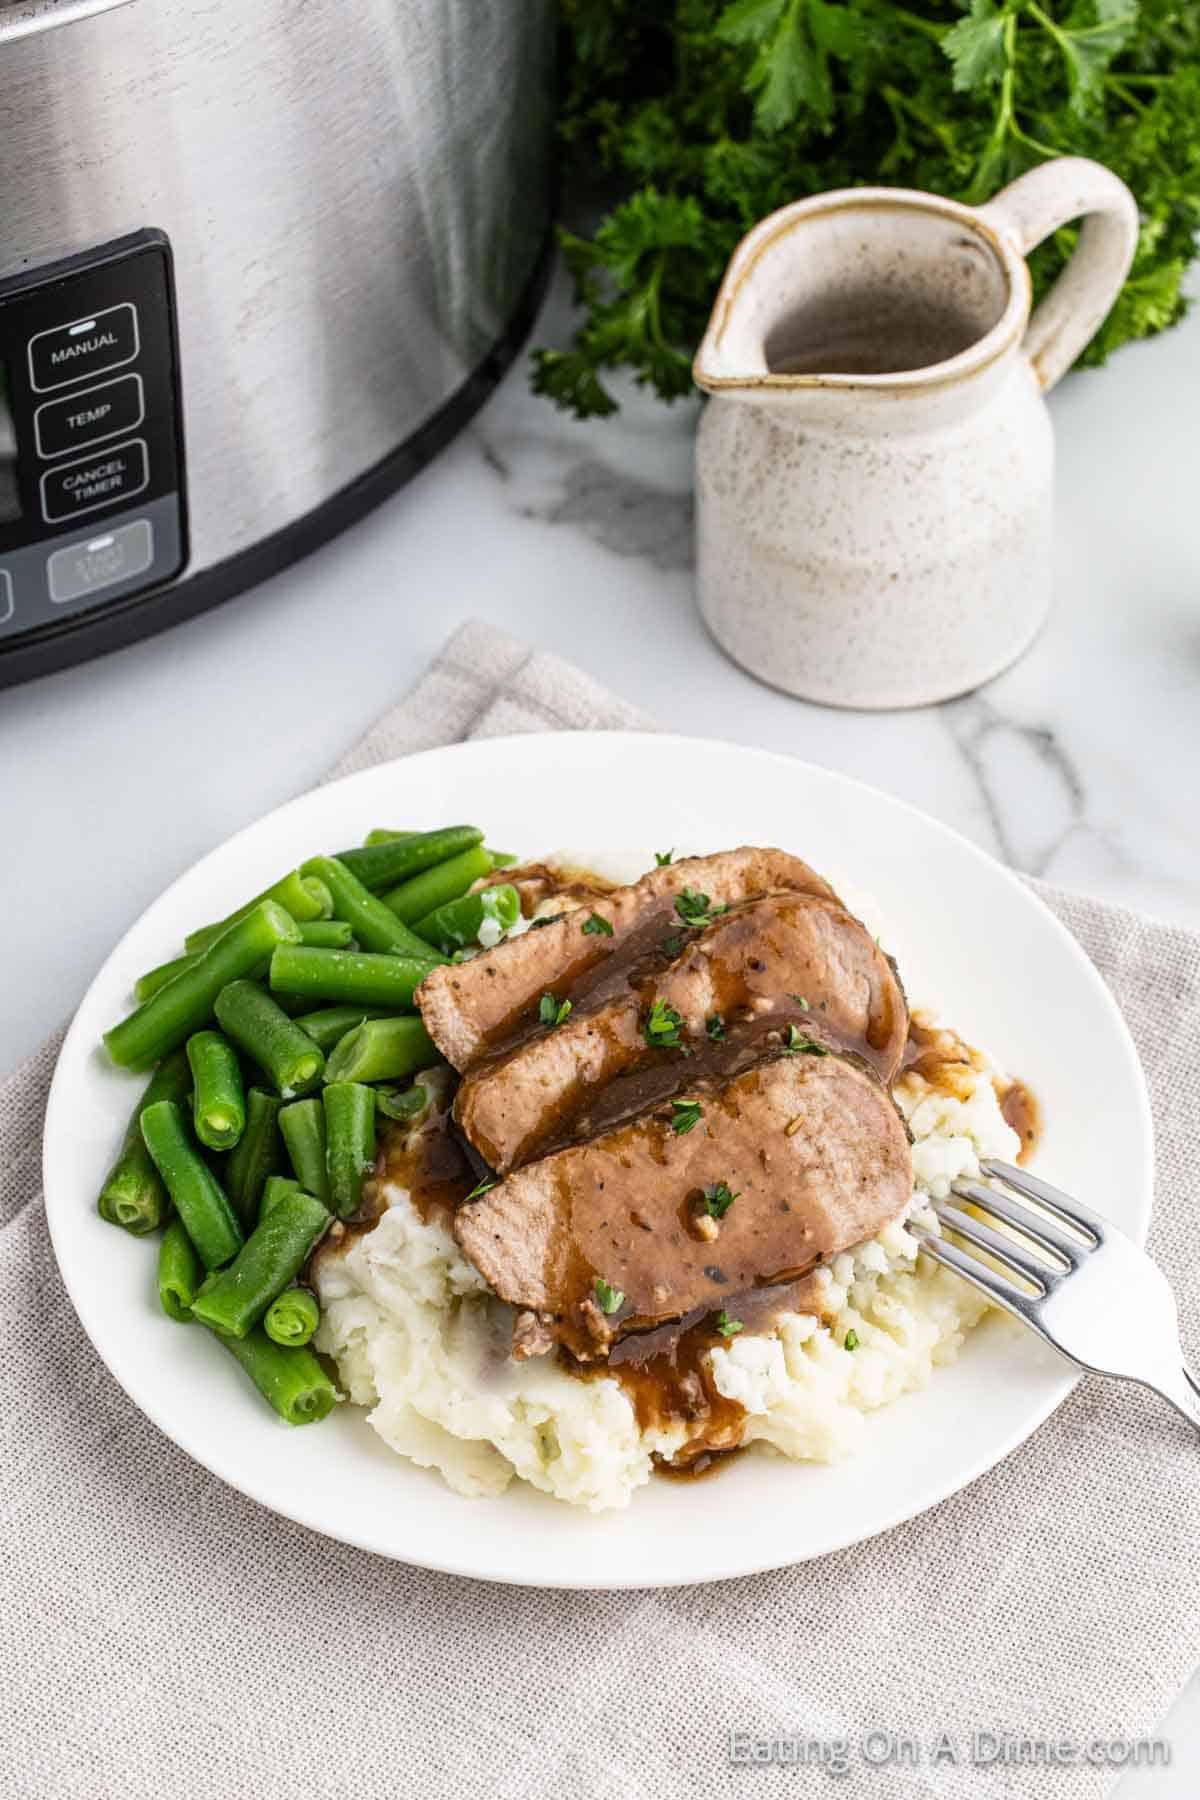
(94, 481)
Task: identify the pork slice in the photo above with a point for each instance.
(491, 1001)
(788, 959)
(615, 1235)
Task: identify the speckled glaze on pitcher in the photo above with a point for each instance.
(874, 469)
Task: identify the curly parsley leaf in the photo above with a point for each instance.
(609, 1299)
(693, 907)
(976, 46)
(1087, 50)
(685, 1116)
(552, 1010)
(718, 1199)
(795, 1043)
(793, 41)
(595, 926)
(662, 1026)
(728, 1327)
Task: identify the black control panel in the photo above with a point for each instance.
(92, 505)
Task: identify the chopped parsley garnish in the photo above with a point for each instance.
(662, 1025)
(728, 1327)
(718, 1199)
(673, 943)
(715, 1027)
(684, 1115)
(851, 1339)
(801, 1002)
(695, 908)
(548, 919)
(482, 1187)
(552, 1010)
(795, 1042)
(663, 857)
(609, 1298)
(595, 926)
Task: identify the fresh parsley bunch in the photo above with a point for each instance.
(712, 114)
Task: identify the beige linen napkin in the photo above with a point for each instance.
(161, 1635)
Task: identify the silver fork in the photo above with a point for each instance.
(1081, 1284)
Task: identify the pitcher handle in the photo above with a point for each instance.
(1028, 210)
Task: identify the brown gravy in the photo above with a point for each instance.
(430, 1162)
(1023, 1112)
(935, 1052)
(666, 1374)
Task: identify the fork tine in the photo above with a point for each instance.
(1033, 1225)
(1004, 1292)
(1062, 1206)
(1003, 1249)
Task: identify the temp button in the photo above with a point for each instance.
(100, 562)
(99, 480)
(90, 346)
(96, 413)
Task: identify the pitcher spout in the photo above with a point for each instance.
(867, 288)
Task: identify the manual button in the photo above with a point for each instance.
(87, 346)
(100, 412)
(99, 480)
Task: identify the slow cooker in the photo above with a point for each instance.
(259, 259)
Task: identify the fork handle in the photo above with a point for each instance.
(1183, 1391)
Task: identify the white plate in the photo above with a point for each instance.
(969, 938)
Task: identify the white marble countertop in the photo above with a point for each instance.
(1081, 764)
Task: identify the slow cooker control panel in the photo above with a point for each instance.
(91, 456)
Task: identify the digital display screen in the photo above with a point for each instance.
(10, 497)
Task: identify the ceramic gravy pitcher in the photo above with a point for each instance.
(874, 470)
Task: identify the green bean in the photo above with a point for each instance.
(432, 888)
(292, 1317)
(503, 859)
(375, 925)
(132, 1194)
(302, 898)
(303, 1128)
(257, 1155)
(348, 976)
(233, 1299)
(379, 836)
(179, 1272)
(383, 863)
(327, 934)
(219, 1103)
(153, 979)
(199, 1198)
(292, 1380)
(330, 1024)
(186, 1003)
(349, 1142)
(276, 1043)
(276, 1189)
(382, 1050)
(456, 926)
(405, 1106)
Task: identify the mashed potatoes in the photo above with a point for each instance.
(421, 1342)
